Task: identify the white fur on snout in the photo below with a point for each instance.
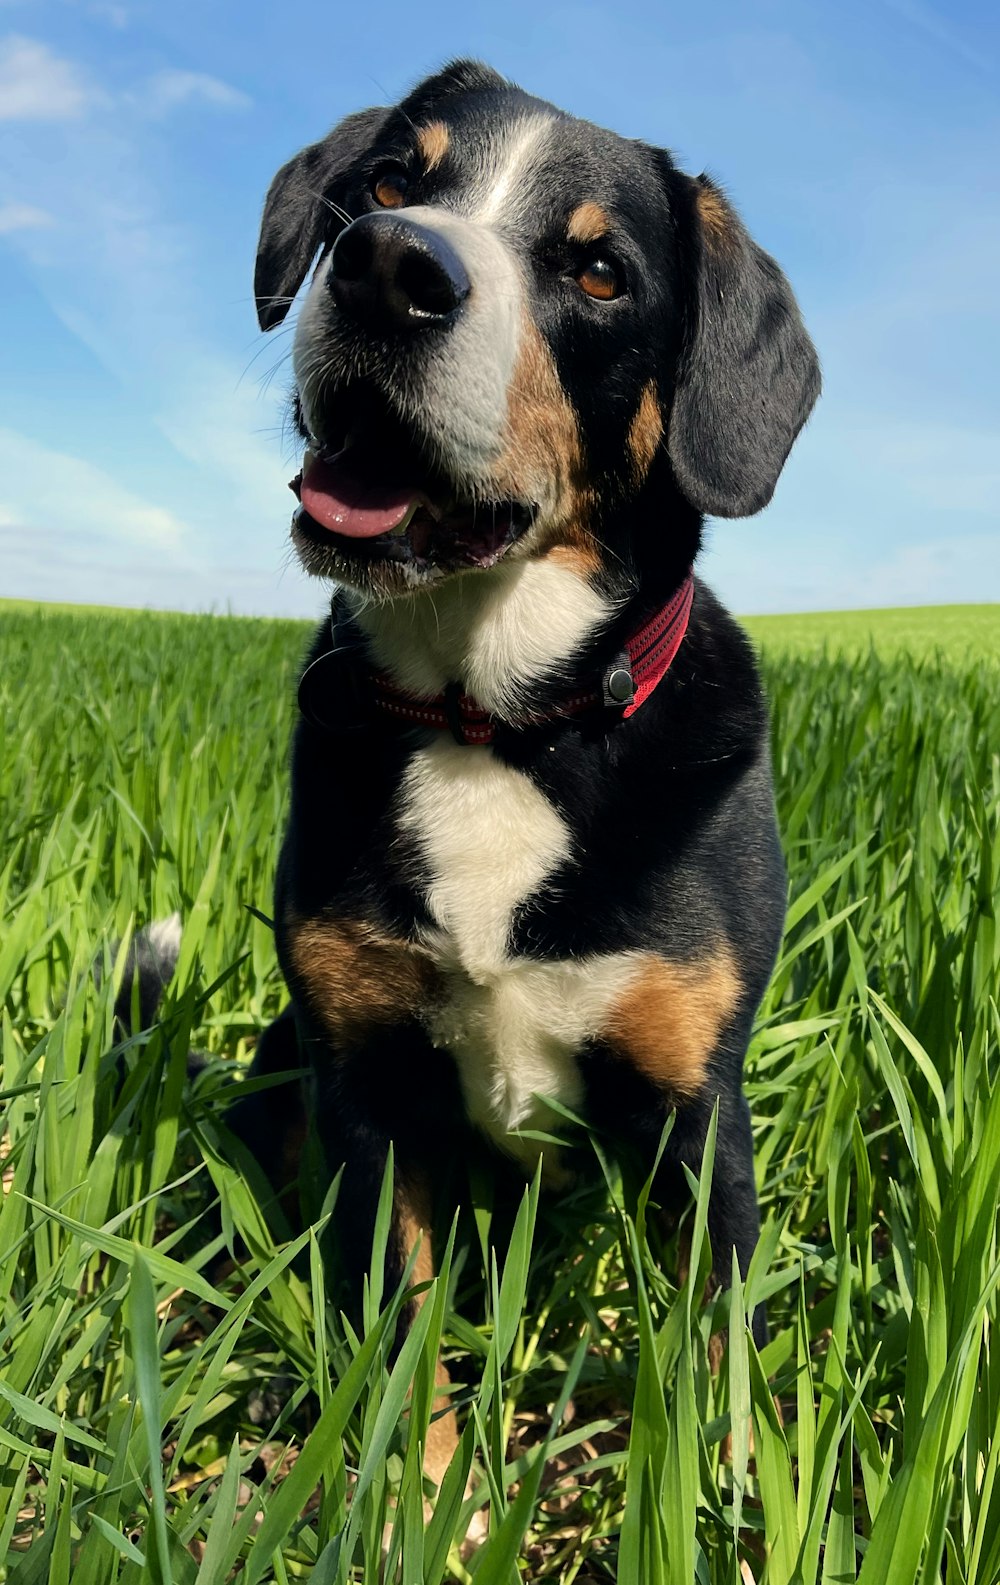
(457, 390)
(316, 365)
(451, 386)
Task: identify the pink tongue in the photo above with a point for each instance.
(337, 500)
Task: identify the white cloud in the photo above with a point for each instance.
(168, 89)
(23, 217)
(937, 467)
(37, 85)
(43, 488)
(777, 565)
(945, 571)
(125, 280)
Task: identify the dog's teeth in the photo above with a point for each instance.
(400, 528)
(308, 459)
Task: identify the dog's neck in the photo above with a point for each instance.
(501, 633)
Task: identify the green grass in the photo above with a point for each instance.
(961, 633)
(161, 1419)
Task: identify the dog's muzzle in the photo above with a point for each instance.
(405, 426)
(393, 276)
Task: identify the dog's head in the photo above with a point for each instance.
(524, 336)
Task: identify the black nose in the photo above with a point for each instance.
(393, 274)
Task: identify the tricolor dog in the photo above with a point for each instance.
(532, 852)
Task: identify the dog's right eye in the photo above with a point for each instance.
(390, 187)
(600, 278)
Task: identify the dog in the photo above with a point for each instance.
(532, 854)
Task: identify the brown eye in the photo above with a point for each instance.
(390, 187)
(599, 279)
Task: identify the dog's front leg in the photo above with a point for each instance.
(678, 1048)
(733, 1214)
(272, 1122)
(391, 1089)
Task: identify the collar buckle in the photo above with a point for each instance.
(617, 683)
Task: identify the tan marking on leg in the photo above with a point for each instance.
(413, 1213)
(588, 223)
(353, 976)
(670, 1017)
(716, 1350)
(432, 142)
(413, 1210)
(646, 432)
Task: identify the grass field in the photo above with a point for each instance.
(162, 1420)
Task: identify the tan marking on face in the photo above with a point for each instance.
(577, 555)
(669, 1019)
(353, 976)
(588, 223)
(542, 456)
(713, 213)
(432, 142)
(646, 432)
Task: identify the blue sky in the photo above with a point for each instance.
(141, 453)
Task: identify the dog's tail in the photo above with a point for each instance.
(149, 966)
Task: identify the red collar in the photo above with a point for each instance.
(625, 684)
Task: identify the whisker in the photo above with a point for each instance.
(266, 346)
(267, 379)
(336, 209)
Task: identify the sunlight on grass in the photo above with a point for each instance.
(167, 1416)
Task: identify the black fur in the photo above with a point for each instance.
(296, 216)
(149, 967)
(749, 376)
(671, 811)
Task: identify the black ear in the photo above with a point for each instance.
(748, 374)
(295, 216)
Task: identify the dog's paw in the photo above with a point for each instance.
(477, 1533)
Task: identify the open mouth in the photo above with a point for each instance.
(382, 505)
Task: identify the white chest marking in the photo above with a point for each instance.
(490, 840)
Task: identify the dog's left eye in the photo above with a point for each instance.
(390, 187)
(599, 278)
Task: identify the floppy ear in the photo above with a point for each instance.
(748, 374)
(295, 216)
